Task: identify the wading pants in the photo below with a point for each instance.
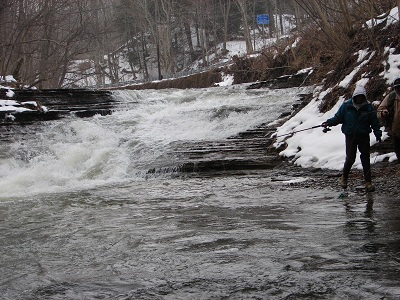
(362, 143)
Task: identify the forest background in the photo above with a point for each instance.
(57, 43)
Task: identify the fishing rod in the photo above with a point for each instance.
(325, 130)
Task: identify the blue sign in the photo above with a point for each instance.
(263, 19)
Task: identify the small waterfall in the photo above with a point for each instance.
(144, 133)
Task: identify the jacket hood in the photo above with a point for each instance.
(360, 90)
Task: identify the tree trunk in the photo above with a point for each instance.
(225, 6)
(271, 26)
(279, 10)
(203, 42)
(48, 22)
(297, 16)
(144, 54)
(167, 53)
(276, 19)
(326, 27)
(188, 34)
(242, 4)
(344, 6)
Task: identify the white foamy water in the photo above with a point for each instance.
(74, 154)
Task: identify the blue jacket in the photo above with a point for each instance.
(356, 123)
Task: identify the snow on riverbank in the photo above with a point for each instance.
(12, 106)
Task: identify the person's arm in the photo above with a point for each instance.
(383, 108)
(376, 125)
(337, 118)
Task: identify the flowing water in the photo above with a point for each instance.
(82, 218)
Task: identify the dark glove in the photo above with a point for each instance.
(325, 124)
(379, 139)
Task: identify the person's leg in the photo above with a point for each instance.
(351, 151)
(364, 148)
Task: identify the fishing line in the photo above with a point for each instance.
(325, 130)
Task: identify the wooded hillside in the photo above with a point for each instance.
(44, 41)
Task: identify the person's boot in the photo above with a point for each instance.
(343, 182)
(369, 187)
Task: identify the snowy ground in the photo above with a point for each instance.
(313, 148)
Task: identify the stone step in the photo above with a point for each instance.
(59, 103)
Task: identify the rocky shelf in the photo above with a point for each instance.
(59, 103)
(248, 150)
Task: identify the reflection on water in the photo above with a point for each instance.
(361, 215)
(200, 238)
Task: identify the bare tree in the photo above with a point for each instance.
(243, 7)
(225, 6)
(41, 38)
(166, 28)
(337, 19)
(44, 36)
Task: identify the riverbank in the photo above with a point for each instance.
(384, 176)
(257, 155)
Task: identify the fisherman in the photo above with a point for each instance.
(357, 117)
(389, 114)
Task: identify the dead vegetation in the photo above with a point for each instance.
(311, 49)
(330, 65)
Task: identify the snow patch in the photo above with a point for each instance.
(227, 80)
(392, 18)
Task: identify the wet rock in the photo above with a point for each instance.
(230, 164)
(249, 150)
(283, 82)
(58, 103)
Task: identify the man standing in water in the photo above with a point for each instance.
(357, 117)
(389, 113)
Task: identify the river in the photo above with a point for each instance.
(82, 218)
